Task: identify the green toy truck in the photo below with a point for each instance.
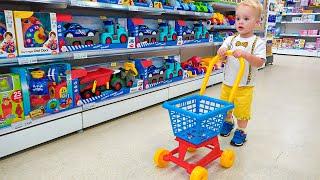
(114, 33)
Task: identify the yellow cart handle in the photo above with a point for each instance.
(209, 70)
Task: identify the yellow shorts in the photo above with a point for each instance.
(242, 101)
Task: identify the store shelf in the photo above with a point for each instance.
(296, 14)
(224, 27)
(298, 35)
(188, 13)
(92, 54)
(218, 43)
(55, 2)
(23, 139)
(33, 122)
(296, 52)
(223, 6)
(290, 22)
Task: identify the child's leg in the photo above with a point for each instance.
(229, 123)
(242, 112)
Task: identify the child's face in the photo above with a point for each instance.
(8, 38)
(246, 20)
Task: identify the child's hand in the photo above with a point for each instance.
(239, 53)
(222, 52)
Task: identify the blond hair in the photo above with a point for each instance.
(255, 4)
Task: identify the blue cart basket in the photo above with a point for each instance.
(197, 118)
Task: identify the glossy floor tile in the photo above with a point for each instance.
(283, 138)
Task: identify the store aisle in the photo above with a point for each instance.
(282, 142)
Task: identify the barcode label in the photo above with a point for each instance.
(27, 60)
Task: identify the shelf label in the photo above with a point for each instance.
(27, 60)
(197, 13)
(113, 64)
(80, 55)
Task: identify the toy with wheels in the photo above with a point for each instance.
(196, 121)
(34, 32)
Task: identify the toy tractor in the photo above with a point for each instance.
(173, 68)
(114, 33)
(124, 77)
(167, 33)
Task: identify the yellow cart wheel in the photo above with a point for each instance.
(199, 173)
(191, 150)
(158, 158)
(227, 158)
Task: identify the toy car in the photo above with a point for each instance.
(166, 32)
(186, 30)
(192, 7)
(114, 33)
(182, 6)
(201, 7)
(145, 30)
(173, 68)
(210, 9)
(76, 30)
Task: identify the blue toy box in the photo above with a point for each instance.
(157, 71)
(8, 47)
(45, 88)
(82, 33)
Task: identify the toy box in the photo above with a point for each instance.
(143, 3)
(8, 47)
(287, 43)
(158, 71)
(164, 4)
(193, 31)
(313, 32)
(104, 81)
(318, 43)
(46, 88)
(121, 2)
(303, 32)
(310, 45)
(11, 110)
(145, 33)
(276, 43)
(37, 32)
(79, 33)
(299, 43)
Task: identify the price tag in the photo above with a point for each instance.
(27, 60)
(113, 64)
(183, 12)
(80, 55)
(197, 13)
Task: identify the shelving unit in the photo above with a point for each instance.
(76, 119)
(287, 27)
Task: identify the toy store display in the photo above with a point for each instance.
(164, 4)
(46, 88)
(79, 33)
(158, 71)
(36, 32)
(193, 32)
(99, 82)
(8, 47)
(293, 43)
(11, 110)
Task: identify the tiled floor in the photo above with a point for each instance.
(283, 138)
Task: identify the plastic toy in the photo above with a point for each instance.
(76, 30)
(200, 31)
(148, 72)
(114, 33)
(196, 121)
(201, 7)
(167, 33)
(7, 35)
(38, 32)
(145, 30)
(48, 88)
(182, 6)
(11, 109)
(210, 9)
(173, 68)
(231, 19)
(193, 67)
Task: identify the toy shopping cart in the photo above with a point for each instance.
(196, 121)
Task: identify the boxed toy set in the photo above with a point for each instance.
(36, 32)
(193, 32)
(104, 81)
(45, 88)
(80, 33)
(11, 110)
(158, 71)
(8, 47)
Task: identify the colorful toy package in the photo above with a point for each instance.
(37, 32)
(46, 88)
(104, 81)
(11, 110)
(299, 43)
(79, 33)
(287, 43)
(8, 47)
(157, 71)
(144, 33)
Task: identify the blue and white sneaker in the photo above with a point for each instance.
(226, 129)
(239, 138)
